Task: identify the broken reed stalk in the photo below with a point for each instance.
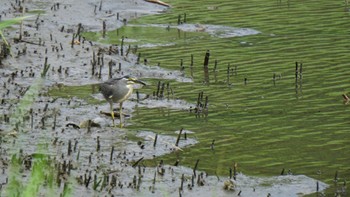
(234, 171)
(90, 158)
(191, 65)
(168, 90)
(138, 58)
(111, 155)
(182, 68)
(138, 183)
(88, 180)
(93, 63)
(336, 176)
(21, 25)
(179, 19)
(100, 59)
(72, 42)
(137, 96)
(215, 66)
(137, 162)
(31, 118)
(69, 147)
(199, 99)
(206, 66)
(46, 106)
(89, 126)
(100, 8)
(158, 89)
(95, 9)
(212, 144)
(79, 29)
(75, 145)
(46, 68)
(195, 167)
(78, 155)
(110, 66)
(296, 70)
(54, 119)
(43, 122)
(103, 28)
(122, 47)
(182, 182)
(178, 137)
(228, 73)
(162, 91)
(98, 146)
(298, 75)
(155, 140)
(206, 103)
(301, 71)
(128, 50)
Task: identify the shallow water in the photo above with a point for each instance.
(264, 125)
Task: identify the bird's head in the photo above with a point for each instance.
(132, 80)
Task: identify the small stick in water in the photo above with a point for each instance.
(155, 140)
(69, 147)
(103, 28)
(100, 8)
(212, 145)
(110, 65)
(122, 47)
(137, 162)
(111, 155)
(234, 171)
(296, 70)
(206, 68)
(98, 144)
(179, 19)
(182, 182)
(178, 138)
(195, 167)
(336, 176)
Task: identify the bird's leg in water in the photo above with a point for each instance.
(112, 112)
(121, 114)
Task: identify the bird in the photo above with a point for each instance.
(117, 90)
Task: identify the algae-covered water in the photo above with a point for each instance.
(262, 116)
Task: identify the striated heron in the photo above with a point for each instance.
(117, 90)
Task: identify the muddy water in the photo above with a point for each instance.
(263, 116)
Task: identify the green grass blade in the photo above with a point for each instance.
(8, 23)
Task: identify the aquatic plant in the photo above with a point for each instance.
(8, 23)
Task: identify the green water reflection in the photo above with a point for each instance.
(263, 125)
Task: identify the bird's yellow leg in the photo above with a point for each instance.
(121, 114)
(112, 113)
